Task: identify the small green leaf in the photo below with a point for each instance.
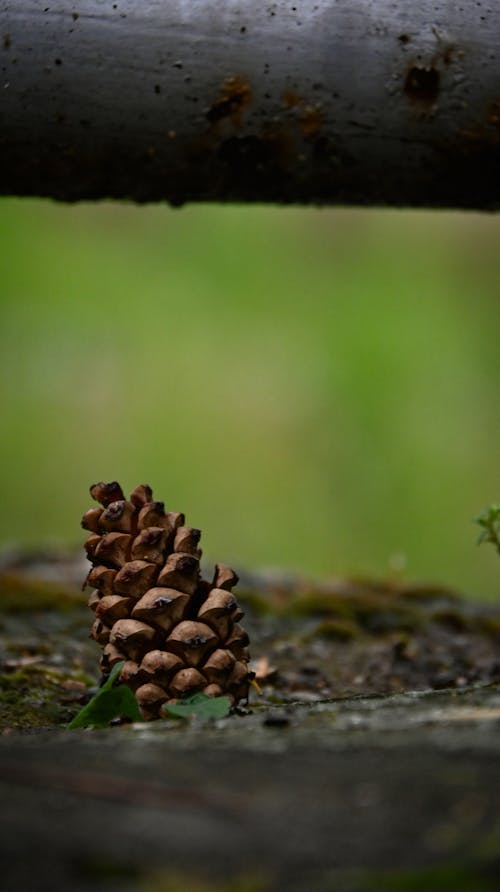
(488, 516)
(200, 706)
(489, 520)
(111, 702)
(483, 537)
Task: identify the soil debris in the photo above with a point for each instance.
(312, 641)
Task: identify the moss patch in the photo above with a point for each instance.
(256, 602)
(20, 593)
(371, 611)
(433, 879)
(33, 697)
(334, 630)
(168, 881)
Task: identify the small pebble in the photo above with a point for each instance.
(276, 721)
(442, 680)
(120, 720)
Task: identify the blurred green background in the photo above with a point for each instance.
(317, 389)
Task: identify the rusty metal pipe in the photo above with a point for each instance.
(305, 101)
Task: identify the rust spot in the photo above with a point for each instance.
(447, 55)
(236, 95)
(309, 116)
(291, 99)
(422, 84)
(494, 114)
(311, 120)
(482, 135)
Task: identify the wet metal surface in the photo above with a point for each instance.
(321, 102)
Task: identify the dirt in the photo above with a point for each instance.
(369, 761)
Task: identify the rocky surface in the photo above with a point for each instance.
(370, 761)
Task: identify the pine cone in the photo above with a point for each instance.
(176, 633)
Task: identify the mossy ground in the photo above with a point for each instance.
(33, 698)
(453, 877)
(332, 781)
(312, 641)
(21, 594)
(433, 879)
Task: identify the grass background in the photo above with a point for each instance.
(317, 390)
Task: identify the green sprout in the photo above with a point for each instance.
(112, 701)
(116, 701)
(489, 521)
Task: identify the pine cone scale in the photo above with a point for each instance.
(175, 632)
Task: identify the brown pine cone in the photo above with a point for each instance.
(176, 633)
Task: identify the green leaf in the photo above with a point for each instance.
(489, 520)
(483, 537)
(489, 516)
(200, 706)
(111, 702)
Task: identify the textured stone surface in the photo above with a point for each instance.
(316, 787)
(380, 784)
